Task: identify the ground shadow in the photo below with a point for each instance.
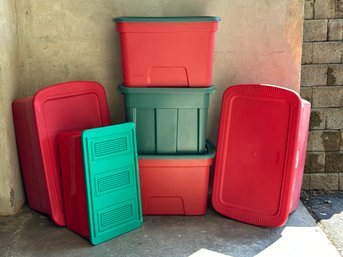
(322, 205)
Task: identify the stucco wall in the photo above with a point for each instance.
(11, 192)
(257, 41)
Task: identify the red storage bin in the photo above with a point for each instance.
(38, 120)
(73, 182)
(175, 184)
(167, 51)
(260, 154)
(301, 154)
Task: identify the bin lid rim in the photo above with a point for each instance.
(172, 90)
(209, 154)
(167, 19)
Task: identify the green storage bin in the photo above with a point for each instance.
(168, 120)
(112, 181)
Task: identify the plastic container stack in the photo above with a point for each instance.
(167, 73)
(99, 179)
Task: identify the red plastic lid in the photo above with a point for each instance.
(59, 108)
(256, 154)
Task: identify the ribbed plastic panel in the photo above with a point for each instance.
(110, 147)
(112, 182)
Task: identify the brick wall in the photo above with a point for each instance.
(322, 85)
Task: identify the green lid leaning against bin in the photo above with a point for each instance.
(112, 181)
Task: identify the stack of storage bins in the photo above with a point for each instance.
(167, 74)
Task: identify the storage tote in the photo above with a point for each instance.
(167, 51)
(38, 120)
(175, 184)
(168, 120)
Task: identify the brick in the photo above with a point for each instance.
(335, 29)
(308, 9)
(327, 52)
(335, 75)
(334, 118)
(306, 93)
(319, 140)
(341, 181)
(317, 119)
(334, 162)
(327, 97)
(313, 75)
(315, 30)
(327, 182)
(314, 141)
(306, 57)
(315, 162)
(324, 9)
(331, 140)
(328, 9)
(306, 182)
(339, 9)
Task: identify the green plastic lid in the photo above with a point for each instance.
(112, 181)
(167, 19)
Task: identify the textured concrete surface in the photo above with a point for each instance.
(324, 181)
(312, 75)
(315, 30)
(257, 42)
(31, 234)
(327, 209)
(335, 29)
(11, 192)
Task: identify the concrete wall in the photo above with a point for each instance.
(322, 85)
(257, 41)
(11, 192)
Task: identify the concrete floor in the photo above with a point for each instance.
(327, 209)
(31, 234)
